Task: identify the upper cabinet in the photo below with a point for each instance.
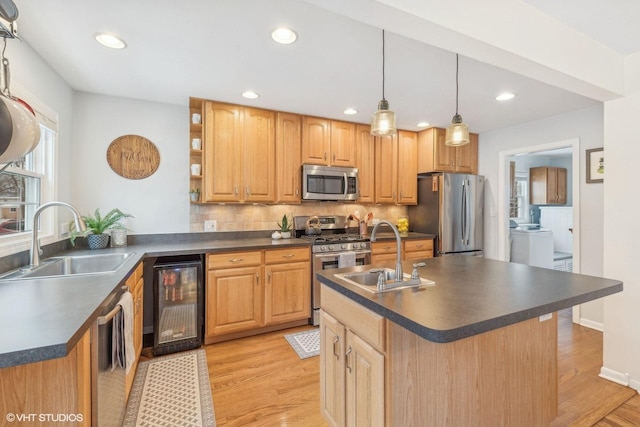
(328, 142)
(435, 156)
(195, 141)
(239, 154)
(396, 169)
(288, 153)
(365, 155)
(547, 186)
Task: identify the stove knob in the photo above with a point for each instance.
(323, 248)
(331, 247)
(345, 246)
(356, 245)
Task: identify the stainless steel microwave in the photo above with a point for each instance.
(329, 183)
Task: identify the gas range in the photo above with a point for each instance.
(334, 235)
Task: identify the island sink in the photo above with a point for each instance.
(71, 265)
(383, 280)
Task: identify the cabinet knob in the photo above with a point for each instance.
(287, 255)
(325, 155)
(336, 350)
(334, 157)
(348, 359)
(234, 260)
(269, 277)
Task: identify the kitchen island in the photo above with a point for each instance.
(477, 348)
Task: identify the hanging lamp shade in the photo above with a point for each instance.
(458, 132)
(383, 121)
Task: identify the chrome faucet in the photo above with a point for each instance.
(34, 255)
(399, 274)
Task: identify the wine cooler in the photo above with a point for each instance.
(178, 300)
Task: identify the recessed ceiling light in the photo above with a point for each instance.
(109, 40)
(250, 94)
(505, 96)
(350, 111)
(423, 125)
(284, 35)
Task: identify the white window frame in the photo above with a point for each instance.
(47, 117)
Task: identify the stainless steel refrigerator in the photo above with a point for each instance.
(451, 206)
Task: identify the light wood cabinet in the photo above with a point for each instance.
(328, 142)
(435, 156)
(56, 386)
(407, 168)
(256, 291)
(365, 162)
(135, 282)
(547, 186)
(396, 169)
(239, 154)
(288, 287)
(352, 363)
(288, 153)
(385, 251)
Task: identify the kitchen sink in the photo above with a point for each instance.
(368, 280)
(71, 265)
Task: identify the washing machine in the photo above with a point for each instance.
(532, 247)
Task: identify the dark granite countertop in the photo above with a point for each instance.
(473, 295)
(45, 318)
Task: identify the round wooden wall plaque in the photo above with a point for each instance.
(133, 157)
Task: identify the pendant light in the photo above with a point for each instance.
(457, 132)
(383, 121)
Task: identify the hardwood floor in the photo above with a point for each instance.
(260, 381)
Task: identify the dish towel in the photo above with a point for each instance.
(346, 259)
(123, 353)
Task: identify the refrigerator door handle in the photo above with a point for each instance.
(463, 212)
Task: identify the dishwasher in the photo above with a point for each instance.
(107, 384)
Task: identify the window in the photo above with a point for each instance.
(26, 184)
(519, 202)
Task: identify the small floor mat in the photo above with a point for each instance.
(171, 390)
(305, 343)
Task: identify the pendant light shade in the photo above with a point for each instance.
(383, 121)
(458, 132)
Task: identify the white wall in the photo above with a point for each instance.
(160, 202)
(621, 237)
(587, 125)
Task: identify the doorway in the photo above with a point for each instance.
(572, 149)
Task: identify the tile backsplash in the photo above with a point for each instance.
(264, 217)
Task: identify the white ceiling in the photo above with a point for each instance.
(218, 49)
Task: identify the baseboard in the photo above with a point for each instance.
(635, 384)
(616, 377)
(592, 325)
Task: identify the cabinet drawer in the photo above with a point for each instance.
(368, 325)
(233, 259)
(278, 256)
(383, 247)
(418, 245)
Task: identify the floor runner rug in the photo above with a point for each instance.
(172, 390)
(305, 343)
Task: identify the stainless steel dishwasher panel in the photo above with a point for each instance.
(108, 385)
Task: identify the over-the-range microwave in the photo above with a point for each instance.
(329, 183)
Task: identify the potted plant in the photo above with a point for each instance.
(285, 227)
(194, 194)
(97, 225)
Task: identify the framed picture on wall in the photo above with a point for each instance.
(595, 165)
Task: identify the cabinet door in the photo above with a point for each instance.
(287, 292)
(259, 150)
(561, 186)
(364, 383)
(343, 144)
(386, 160)
(316, 140)
(222, 179)
(332, 377)
(288, 139)
(407, 168)
(444, 155)
(467, 156)
(365, 163)
(235, 300)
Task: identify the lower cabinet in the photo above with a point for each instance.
(135, 282)
(411, 250)
(352, 363)
(256, 291)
